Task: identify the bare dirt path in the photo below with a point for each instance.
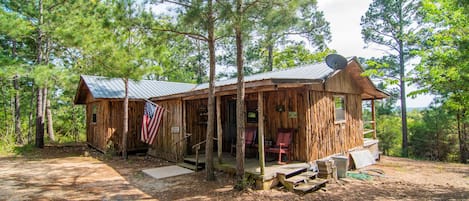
(63, 173)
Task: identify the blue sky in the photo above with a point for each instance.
(344, 18)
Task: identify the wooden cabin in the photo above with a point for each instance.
(322, 104)
(104, 98)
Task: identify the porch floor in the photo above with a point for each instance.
(251, 165)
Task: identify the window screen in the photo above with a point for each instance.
(339, 108)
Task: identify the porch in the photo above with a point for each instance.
(251, 165)
(295, 175)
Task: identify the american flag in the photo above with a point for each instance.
(152, 116)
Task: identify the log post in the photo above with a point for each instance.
(219, 130)
(373, 117)
(260, 106)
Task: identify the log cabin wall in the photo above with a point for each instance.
(95, 131)
(329, 136)
(287, 109)
(196, 122)
(115, 114)
(168, 144)
(108, 126)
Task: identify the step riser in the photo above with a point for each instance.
(292, 174)
(190, 166)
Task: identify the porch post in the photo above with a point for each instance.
(373, 117)
(260, 125)
(219, 130)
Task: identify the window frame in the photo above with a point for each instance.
(344, 109)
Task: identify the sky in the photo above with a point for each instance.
(344, 18)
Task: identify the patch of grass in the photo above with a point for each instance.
(247, 182)
(139, 175)
(24, 150)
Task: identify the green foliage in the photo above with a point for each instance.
(390, 24)
(388, 132)
(444, 66)
(248, 181)
(7, 143)
(432, 135)
(296, 55)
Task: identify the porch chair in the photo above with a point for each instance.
(249, 139)
(282, 144)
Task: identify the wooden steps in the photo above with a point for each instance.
(301, 180)
(310, 185)
(190, 164)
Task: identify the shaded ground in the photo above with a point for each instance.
(64, 173)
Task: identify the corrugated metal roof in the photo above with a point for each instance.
(306, 72)
(102, 87)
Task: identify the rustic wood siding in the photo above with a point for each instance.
(95, 131)
(293, 100)
(114, 131)
(342, 82)
(165, 144)
(108, 126)
(194, 126)
(329, 137)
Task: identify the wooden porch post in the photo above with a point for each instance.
(219, 130)
(373, 117)
(260, 106)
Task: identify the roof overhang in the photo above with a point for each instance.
(369, 89)
(250, 87)
(81, 93)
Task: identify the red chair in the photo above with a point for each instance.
(249, 138)
(282, 144)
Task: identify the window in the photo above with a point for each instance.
(339, 108)
(94, 109)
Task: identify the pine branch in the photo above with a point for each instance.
(188, 34)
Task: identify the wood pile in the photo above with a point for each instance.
(327, 170)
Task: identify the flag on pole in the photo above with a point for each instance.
(152, 116)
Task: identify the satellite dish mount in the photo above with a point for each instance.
(336, 61)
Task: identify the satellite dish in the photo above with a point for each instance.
(336, 61)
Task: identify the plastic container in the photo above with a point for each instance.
(341, 163)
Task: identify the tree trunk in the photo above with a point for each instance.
(19, 137)
(30, 123)
(125, 130)
(39, 106)
(405, 152)
(211, 96)
(462, 137)
(270, 51)
(39, 120)
(5, 106)
(45, 92)
(240, 108)
(50, 125)
(74, 128)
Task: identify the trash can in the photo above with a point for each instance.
(341, 162)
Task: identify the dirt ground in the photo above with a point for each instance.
(77, 173)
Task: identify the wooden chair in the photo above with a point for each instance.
(282, 144)
(249, 138)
